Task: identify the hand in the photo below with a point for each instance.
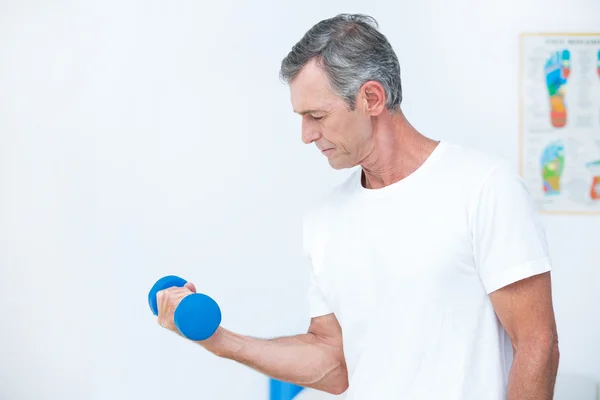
(168, 300)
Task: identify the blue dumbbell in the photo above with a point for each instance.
(197, 316)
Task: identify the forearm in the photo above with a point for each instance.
(303, 359)
(533, 372)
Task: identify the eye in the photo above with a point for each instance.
(316, 118)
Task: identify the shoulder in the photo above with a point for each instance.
(485, 183)
(495, 193)
(474, 170)
(473, 163)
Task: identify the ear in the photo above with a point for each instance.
(372, 98)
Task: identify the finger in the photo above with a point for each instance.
(160, 306)
(159, 301)
(190, 286)
(167, 300)
(163, 299)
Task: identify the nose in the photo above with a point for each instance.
(310, 132)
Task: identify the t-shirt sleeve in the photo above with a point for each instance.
(509, 241)
(316, 300)
(317, 305)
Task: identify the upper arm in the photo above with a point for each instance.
(512, 257)
(525, 310)
(327, 329)
(509, 241)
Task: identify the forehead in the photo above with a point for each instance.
(310, 90)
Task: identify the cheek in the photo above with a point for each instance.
(348, 132)
(357, 130)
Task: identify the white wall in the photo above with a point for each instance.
(144, 138)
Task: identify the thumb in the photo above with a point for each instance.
(190, 286)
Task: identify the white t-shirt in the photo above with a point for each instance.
(407, 270)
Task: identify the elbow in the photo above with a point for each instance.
(338, 390)
(555, 355)
(550, 346)
(341, 384)
(542, 348)
(335, 382)
(338, 386)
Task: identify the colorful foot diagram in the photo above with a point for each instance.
(552, 162)
(599, 63)
(557, 70)
(594, 168)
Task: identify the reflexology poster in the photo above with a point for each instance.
(560, 121)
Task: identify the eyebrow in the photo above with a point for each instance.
(308, 112)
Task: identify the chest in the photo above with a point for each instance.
(368, 256)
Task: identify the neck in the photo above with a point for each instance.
(397, 150)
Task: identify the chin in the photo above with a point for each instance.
(339, 165)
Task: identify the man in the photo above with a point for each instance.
(430, 275)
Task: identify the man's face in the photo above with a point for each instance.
(340, 134)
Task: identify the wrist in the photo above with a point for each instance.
(223, 343)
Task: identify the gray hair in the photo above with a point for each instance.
(351, 51)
